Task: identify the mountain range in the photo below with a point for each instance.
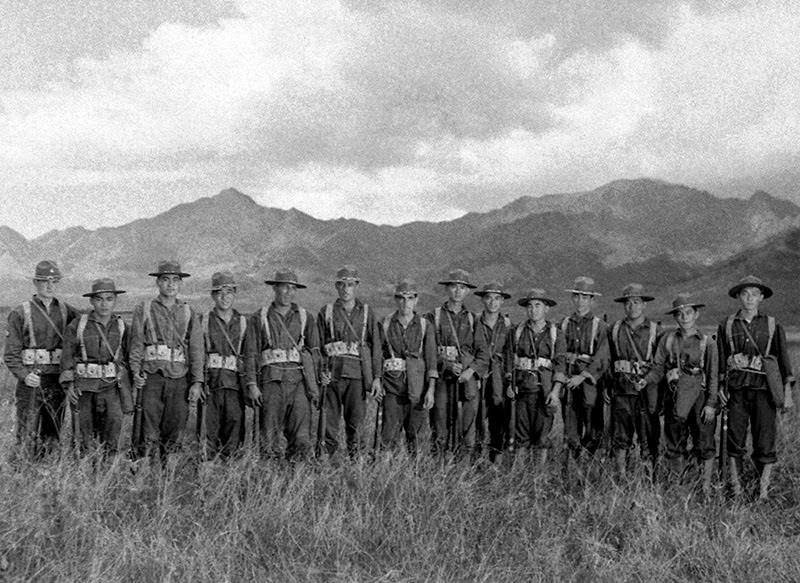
(666, 236)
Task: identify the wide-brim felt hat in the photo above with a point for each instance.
(683, 300)
(287, 276)
(583, 285)
(493, 288)
(634, 290)
(222, 279)
(406, 288)
(458, 276)
(750, 281)
(104, 285)
(347, 273)
(536, 293)
(169, 267)
(46, 270)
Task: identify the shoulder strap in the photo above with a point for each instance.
(518, 333)
(242, 331)
(26, 312)
(729, 332)
(595, 326)
(47, 317)
(303, 320)
(147, 306)
(329, 319)
(771, 331)
(615, 335)
(651, 341)
(553, 337)
(564, 325)
(204, 318)
(265, 324)
(671, 344)
(424, 325)
(187, 313)
(471, 318)
(437, 321)
(81, 327)
(385, 325)
(507, 320)
(63, 308)
(703, 344)
(364, 325)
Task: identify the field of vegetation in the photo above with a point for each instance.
(388, 519)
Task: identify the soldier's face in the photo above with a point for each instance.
(346, 290)
(634, 308)
(406, 304)
(750, 298)
(537, 310)
(686, 317)
(284, 293)
(169, 285)
(492, 303)
(46, 288)
(583, 303)
(223, 297)
(457, 291)
(103, 303)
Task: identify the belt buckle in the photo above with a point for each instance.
(178, 355)
(163, 352)
(42, 356)
(55, 357)
(28, 357)
(109, 370)
(214, 361)
(229, 363)
(755, 363)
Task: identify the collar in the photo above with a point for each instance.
(93, 317)
(529, 323)
(575, 317)
(396, 317)
(234, 315)
(38, 300)
(178, 302)
(292, 308)
(447, 308)
(338, 303)
(679, 332)
(738, 316)
(645, 324)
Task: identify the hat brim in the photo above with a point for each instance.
(676, 308)
(466, 283)
(276, 282)
(644, 298)
(483, 292)
(737, 289)
(525, 301)
(178, 273)
(583, 291)
(46, 278)
(219, 287)
(346, 279)
(116, 292)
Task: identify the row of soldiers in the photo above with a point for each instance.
(450, 368)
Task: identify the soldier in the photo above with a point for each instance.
(407, 357)
(285, 348)
(166, 360)
(94, 369)
(224, 333)
(750, 342)
(455, 404)
(688, 359)
(33, 354)
(347, 330)
(632, 344)
(537, 353)
(492, 330)
(586, 341)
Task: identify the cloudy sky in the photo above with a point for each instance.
(386, 111)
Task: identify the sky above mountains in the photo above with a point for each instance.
(386, 111)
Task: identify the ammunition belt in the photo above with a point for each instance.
(33, 356)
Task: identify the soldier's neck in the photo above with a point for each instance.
(167, 300)
(748, 314)
(454, 306)
(45, 301)
(104, 320)
(281, 309)
(538, 325)
(491, 318)
(349, 305)
(635, 323)
(404, 318)
(225, 315)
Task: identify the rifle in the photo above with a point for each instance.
(136, 435)
(723, 437)
(512, 416)
(203, 427)
(479, 417)
(376, 438)
(320, 445)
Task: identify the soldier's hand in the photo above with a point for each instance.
(552, 399)
(723, 399)
(510, 393)
(465, 375)
(497, 398)
(73, 393)
(139, 380)
(196, 393)
(575, 381)
(33, 380)
(377, 390)
(254, 393)
(456, 367)
(428, 403)
(640, 384)
(325, 378)
(708, 415)
(606, 397)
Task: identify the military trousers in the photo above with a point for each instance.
(224, 418)
(100, 418)
(534, 421)
(498, 416)
(40, 411)
(400, 415)
(454, 414)
(344, 397)
(753, 406)
(629, 417)
(165, 410)
(677, 431)
(285, 414)
(583, 423)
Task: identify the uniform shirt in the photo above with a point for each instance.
(495, 341)
(346, 367)
(455, 329)
(687, 351)
(534, 345)
(578, 339)
(167, 322)
(405, 342)
(759, 330)
(18, 336)
(278, 326)
(623, 349)
(97, 351)
(216, 343)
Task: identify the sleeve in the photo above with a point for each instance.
(312, 343)
(468, 348)
(15, 344)
(136, 343)
(68, 348)
(659, 367)
(780, 349)
(601, 356)
(430, 352)
(560, 358)
(481, 350)
(251, 349)
(712, 374)
(197, 352)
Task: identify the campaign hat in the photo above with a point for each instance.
(458, 276)
(169, 267)
(46, 270)
(750, 281)
(406, 288)
(222, 279)
(104, 285)
(583, 285)
(494, 287)
(347, 273)
(634, 290)
(683, 300)
(536, 293)
(286, 276)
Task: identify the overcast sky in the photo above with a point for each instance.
(386, 111)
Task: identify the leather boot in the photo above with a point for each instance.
(766, 474)
(734, 469)
(708, 474)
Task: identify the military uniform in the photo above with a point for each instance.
(94, 361)
(34, 342)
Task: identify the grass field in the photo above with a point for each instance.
(393, 519)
